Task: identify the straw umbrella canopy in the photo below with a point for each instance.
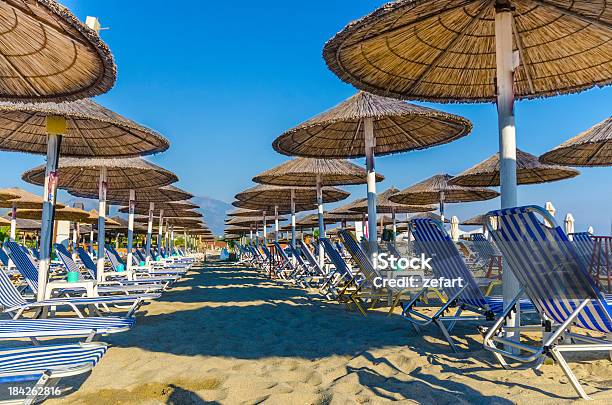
(592, 147)
(437, 189)
(62, 214)
(170, 209)
(528, 171)
(4, 222)
(49, 55)
(243, 212)
(7, 194)
(24, 224)
(79, 129)
(22, 199)
(309, 172)
(477, 220)
(366, 125)
(93, 177)
(478, 51)
(291, 199)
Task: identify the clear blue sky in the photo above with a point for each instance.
(222, 79)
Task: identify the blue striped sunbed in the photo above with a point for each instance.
(555, 277)
(103, 288)
(115, 261)
(432, 240)
(44, 363)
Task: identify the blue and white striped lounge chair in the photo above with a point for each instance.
(341, 281)
(596, 258)
(315, 273)
(462, 291)
(174, 268)
(555, 277)
(44, 363)
(106, 287)
(30, 273)
(286, 267)
(116, 261)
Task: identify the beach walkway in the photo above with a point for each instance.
(227, 335)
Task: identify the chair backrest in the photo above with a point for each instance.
(140, 255)
(283, 255)
(9, 295)
(484, 248)
(4, 259)
(585, 246)
(66, 258)
(24, 264)
(113, 258)
(360, 257)
(548, 267)
(432, 240)
(266, 252)
(335, 257)
(297, 254)
(35, 253)
(89, 264)
(309, 257)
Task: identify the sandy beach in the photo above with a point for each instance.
(227, 335)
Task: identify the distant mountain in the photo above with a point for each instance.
(214, 212)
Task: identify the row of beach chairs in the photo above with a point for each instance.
(559, 297)
(90, 308)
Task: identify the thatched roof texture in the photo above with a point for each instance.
(444, 51)
(429, 192)
(49, 55)
(304, 171)
(528, 171)
(398, 127)
(386, 206)
(592, 147)
(25, 200)
(91, 130)
(83, 175)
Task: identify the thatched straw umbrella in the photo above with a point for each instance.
(478, 51)
(437, 189)
(309, 172)
(528, 171)
(23, 200)
(52, 55)
(386, 206)
(366, 125)
(93, 177)
(79, 129)
(242, 212)
(291, 199)
(593, 147)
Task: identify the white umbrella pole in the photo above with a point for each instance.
(130, 235)
(394, 223)
(251, 233)
(370, 143)
(321, 222)
(442, 207)
(101, 223)
(265, 229)
(507, 137)
(160, 230)
(13, 222)
(276, 223)
(150, 230)
(56, 127)
(293, 217)
(91, 241)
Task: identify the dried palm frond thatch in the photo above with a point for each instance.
(61, 214)
(266, 197)
(49, 55)
(304, 172)
(168, 207)
(398, 127)
(120, 197)
(437, 189)
(478, 220)
(24, 199)
(444, 50)
(385, 206)
(83, 174)
(528, 171)
(91, 130)
(593, 147)
(242, 212)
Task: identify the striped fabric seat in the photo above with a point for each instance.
(24, 263)
(4, 259)
(484, 248)
(334, 256)
(359, 255)
(31, 363)
(286, 261)
(549, 267)
(162, 275)
(432, 239)
(52, 327)
(312, 262)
